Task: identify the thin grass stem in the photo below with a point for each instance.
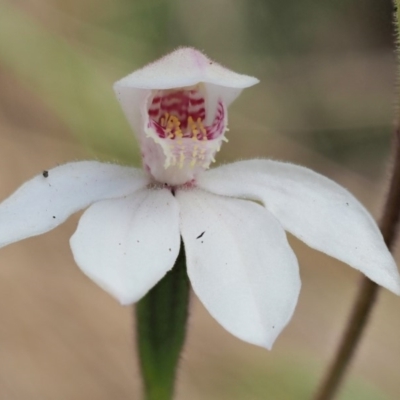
(368, 291)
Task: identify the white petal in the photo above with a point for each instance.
(184, 67)
(127, 245)
(315, 209)
(43, 203)
(240, 264)
(133, 103)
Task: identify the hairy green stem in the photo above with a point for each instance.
(368, 291)
(161, 327)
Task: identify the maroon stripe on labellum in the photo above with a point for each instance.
(218, 126)
(166, 103)
(173, 107)
(174, 95)
(158, 128)
(154, 113)
(194, 102)
(196, 110)
(201, 110)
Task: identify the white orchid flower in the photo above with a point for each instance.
(232, 219)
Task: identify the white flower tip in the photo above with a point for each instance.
(258, 335)
(125, 300)
(266, 341)
(185, 66)
(272, 335)
(386, 274)
(397, 290)
(269, 344)
(394, 286)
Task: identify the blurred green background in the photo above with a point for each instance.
(326, 100)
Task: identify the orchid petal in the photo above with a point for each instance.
(127, 245)
(240, 264)
(50, 198)
(315, 209)
(184, 67)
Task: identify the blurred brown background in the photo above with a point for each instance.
(326, 100)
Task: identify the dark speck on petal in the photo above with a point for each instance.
(45, 174)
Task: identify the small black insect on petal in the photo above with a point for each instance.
(201, 235)
(45, 174)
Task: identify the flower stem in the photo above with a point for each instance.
(369, 290)
(161, 327)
